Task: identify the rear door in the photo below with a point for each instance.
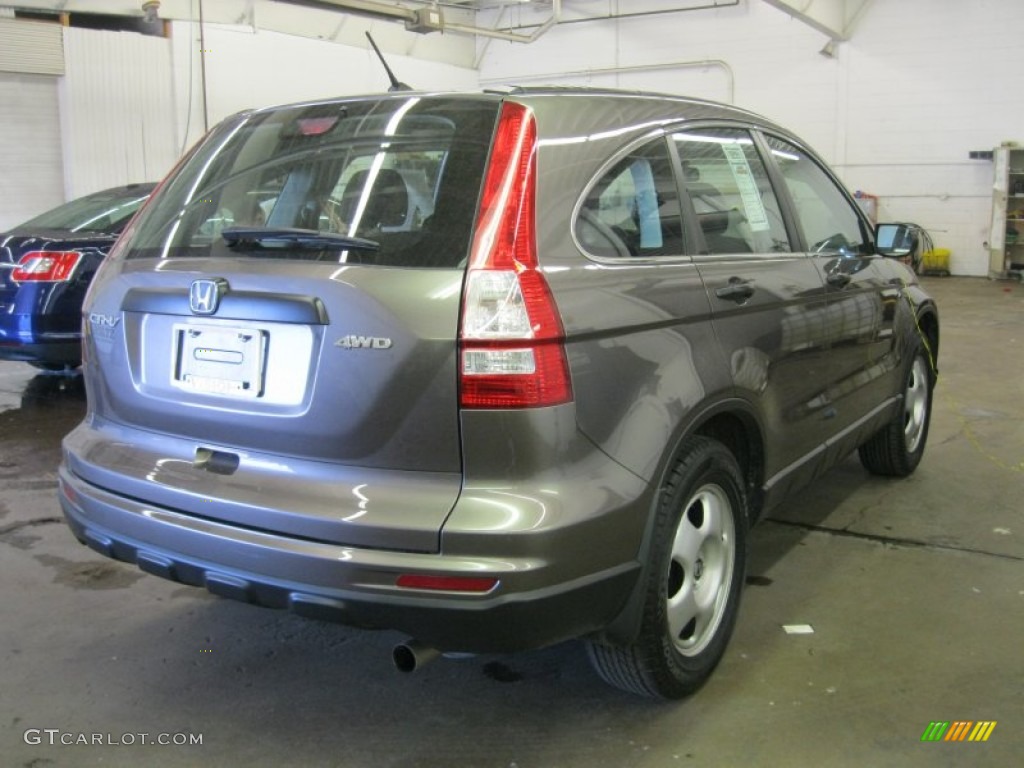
(767, 298)
(282, 323)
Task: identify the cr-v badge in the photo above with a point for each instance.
(104, 321)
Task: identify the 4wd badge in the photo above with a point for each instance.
(363, 342)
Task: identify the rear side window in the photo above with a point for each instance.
(829, 221)
(732, 197)
(633, 209)
(392, 182)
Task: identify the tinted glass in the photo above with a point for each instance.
(829, 221)
(726, 181)
(633, 210)
(402, 173)
(99, 212)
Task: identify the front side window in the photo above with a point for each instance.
(828, 220)
(633, 209)
(392, 182)
(732, 197)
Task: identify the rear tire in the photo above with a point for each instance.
(692, 592)
(896, 449)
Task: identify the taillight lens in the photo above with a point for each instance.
(512, 344)
(46, 267)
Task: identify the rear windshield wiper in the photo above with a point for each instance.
(283, 237)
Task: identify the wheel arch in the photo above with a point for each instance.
(732, 422)
(923, 315)
(928, 326)
(740, 432)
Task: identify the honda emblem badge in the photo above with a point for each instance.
(204, 296)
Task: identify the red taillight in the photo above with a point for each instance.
(446, 583)
(512, 351)
(46, 267)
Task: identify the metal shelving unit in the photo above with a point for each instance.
(1006, 255)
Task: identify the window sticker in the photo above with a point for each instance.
(749, 193)
(646, 204)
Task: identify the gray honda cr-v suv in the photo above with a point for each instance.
(494, 370)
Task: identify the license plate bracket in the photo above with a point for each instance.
(219, 360)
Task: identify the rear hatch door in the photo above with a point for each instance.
(273, 344)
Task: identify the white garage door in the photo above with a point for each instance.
(31, 169)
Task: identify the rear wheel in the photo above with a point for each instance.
(897, 448)
(693, 586)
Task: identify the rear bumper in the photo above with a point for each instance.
(350, 585)
(59, 352)
(30, 336)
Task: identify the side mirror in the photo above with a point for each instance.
(895, 240)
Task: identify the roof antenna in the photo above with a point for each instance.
(396, 84)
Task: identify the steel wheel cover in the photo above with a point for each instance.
(915, 405)
(700, 570)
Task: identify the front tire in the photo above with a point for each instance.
(896, 449)
(692, 593)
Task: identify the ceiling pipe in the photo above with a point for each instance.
(838, 32)
(380, 10)
(376, 10)
(481, 50)
(719, 63)
(639, 14)
(498, 34)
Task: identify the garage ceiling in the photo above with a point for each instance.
(514, 20)
(462, 21)
(386, 9)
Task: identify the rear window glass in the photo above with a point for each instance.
(106, 211)
(392, 182)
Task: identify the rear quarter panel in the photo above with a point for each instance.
(642, 353)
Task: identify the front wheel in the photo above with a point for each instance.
(897, 448)
(693, 586)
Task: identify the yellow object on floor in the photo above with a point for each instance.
(935, 261)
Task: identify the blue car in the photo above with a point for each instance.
(46, 265)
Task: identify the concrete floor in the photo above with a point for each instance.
(914, 590)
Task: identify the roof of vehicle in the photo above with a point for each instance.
(135, 188)
(592, 92)
(681, 107)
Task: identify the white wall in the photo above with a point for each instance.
(116, 110)
(131, 104)
(248, 68)
(921, 83)
(30, 157)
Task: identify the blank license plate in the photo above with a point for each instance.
(219, 360)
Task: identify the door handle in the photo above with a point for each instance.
(838, 279)
(737, 290)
